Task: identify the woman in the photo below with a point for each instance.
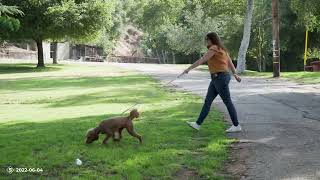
(219, 63)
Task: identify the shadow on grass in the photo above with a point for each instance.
(168, 145)
(26, 68)
(123, 96)
(83, 82)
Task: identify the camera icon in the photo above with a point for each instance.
(10, 170)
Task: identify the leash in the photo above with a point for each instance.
(180, 75)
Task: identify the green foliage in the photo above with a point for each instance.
(161, 12)
(108, 37)
(9, 10)
(313, 53)
(53, 114)
(8, 24)
(60, 19)
(308, 12)
(292, 37)
(189, 36)
(180, 26)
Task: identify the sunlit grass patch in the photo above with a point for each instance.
(301, 77)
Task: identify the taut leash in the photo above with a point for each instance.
(164, 85)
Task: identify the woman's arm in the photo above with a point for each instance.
(202, 60)
(233, 69)
(231, 65)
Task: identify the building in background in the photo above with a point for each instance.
(64, 51)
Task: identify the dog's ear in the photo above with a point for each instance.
(89, 131)
(134, 113)
(96, 130)
(92, 131)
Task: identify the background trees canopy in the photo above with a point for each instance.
(174, 30)
(81, 20)
(178, 27)
(308, 12)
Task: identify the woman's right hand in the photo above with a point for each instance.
(184, 72)
(237, 77)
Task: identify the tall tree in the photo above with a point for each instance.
(241, 61)
(56, 19)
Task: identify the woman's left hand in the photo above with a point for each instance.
(237, 77)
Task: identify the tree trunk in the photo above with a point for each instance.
(259, 59)
(264, 64)
(158, 56)
(166, 55)
(173, 58)
(163, 57)
(241, 64)
(55, 53)
(40, 53)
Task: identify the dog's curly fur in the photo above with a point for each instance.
(113, 127)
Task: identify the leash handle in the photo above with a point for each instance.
(180, 75)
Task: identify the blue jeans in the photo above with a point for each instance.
(219, 85)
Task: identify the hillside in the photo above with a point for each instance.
(128, 44)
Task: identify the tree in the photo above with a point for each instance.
(241, 61)
(108, 36)
(179, 27)
(56, 19)
(7, 22)
(189, 37)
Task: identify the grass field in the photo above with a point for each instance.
(44, 115)
(301, 77)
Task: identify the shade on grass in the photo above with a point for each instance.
(44, 117)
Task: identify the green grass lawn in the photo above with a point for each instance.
(301, 77)
(44, 115)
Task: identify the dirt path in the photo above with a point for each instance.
(281, 121)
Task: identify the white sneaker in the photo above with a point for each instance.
(234, 129)
(194, 125)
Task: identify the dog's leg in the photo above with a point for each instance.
(134, 134)
(116, 136)
(120, 133)
(106, 139)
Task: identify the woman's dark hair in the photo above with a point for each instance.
(215, 40)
